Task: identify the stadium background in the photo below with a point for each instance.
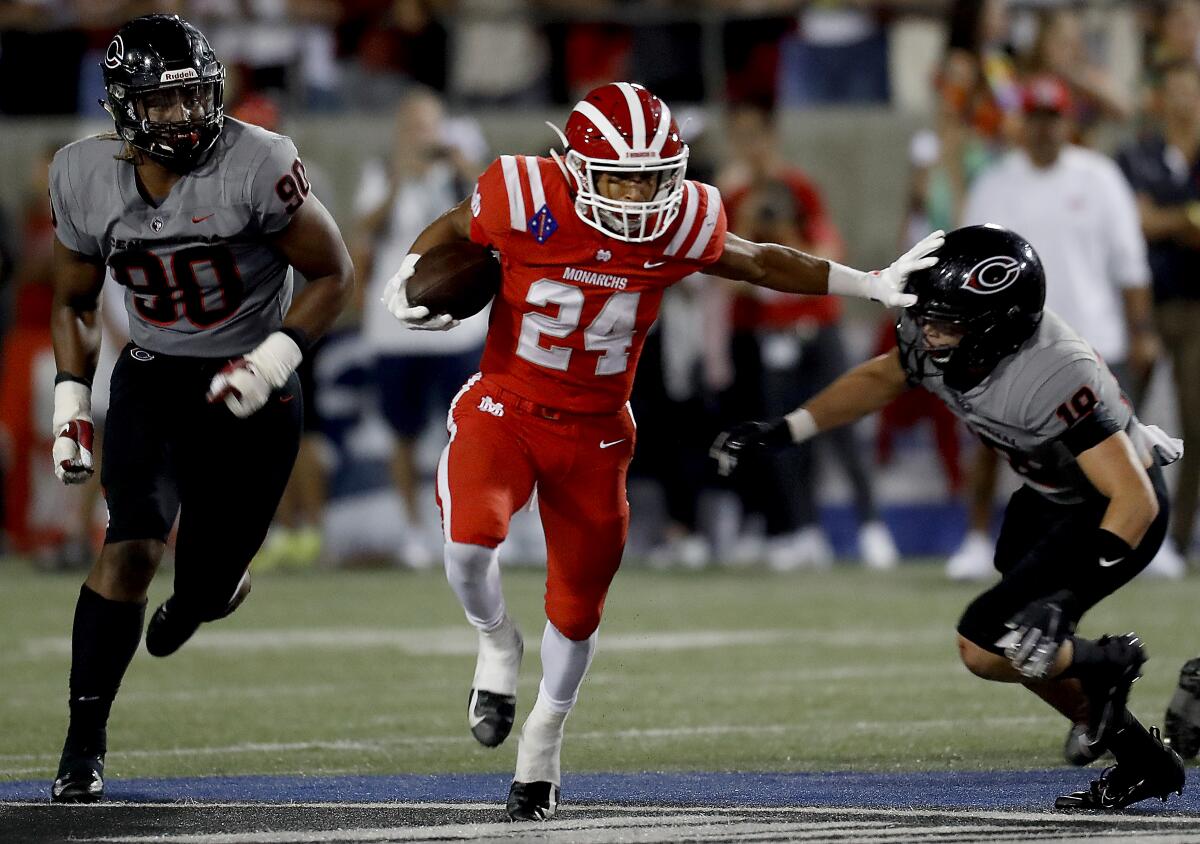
(794, 654)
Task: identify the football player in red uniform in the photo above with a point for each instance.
(588, 241)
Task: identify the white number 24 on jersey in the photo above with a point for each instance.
(611, 332)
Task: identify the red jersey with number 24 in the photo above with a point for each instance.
(574, 307)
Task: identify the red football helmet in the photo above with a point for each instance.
(622, 127)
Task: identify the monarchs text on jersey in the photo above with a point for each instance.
(575, 305)
(200, 276)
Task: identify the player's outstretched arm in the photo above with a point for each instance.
(860, 392)
(75, 330)
(792, 271)
(453, 225)
(312, 244)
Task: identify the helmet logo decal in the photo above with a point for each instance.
(115, 52)
(176, 75)
(991, 275)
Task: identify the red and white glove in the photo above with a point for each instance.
(886, 286)
(245, 383)
(73, 432)
(395, 299)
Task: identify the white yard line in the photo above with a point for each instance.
(461, 640)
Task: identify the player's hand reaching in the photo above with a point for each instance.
(746, 438)
(889, 284)
(245, 383)
(1037, 632)
(395, 299)
(73, 432)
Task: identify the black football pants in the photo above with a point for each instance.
(167, 451)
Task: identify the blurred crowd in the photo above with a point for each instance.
(1031, 127)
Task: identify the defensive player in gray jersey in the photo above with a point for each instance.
(1090, 516)
(201, 219)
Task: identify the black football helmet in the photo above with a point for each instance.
(988, 290)
(164, 89)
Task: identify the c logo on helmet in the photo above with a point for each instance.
(991, 275)
(115, 52)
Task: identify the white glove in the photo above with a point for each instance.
(885, 286)
(1166, 448)
(245, 383)
(73, 432)
(396, 300)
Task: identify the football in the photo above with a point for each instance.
(457, 278)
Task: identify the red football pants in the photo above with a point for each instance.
(500, 449)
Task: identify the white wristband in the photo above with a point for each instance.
(276, 358)
(802, 425)
(72, 400)
(847, 281)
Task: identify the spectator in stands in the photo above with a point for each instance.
(838, 54)
(790, 348)
(978, 79)
(417, 373)
(392, 44)
(1164, 170)
(800, 351)
(1078, 211)
(1060, 49)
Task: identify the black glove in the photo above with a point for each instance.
(747, 437)
(1037, 632)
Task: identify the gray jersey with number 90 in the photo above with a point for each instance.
(201, 277)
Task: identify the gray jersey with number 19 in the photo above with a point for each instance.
(1041, 406)
(201, 277)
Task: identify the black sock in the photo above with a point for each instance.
(103, 640)
(1088, 658)
(1131, 742)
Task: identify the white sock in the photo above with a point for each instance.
(564, 664)
(499, 662)
(540, 745)
(473, 572)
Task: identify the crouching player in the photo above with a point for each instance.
(1090, 515)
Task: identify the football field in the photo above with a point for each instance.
(737, 704)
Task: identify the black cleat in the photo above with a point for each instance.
(80, 777)
(491, 716)
(1183, 712)
(1108, 693)
(1127, 783)
(532, 801)
(169, 628)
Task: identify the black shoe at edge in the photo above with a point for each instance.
(1116, 789)
(1182, 724)
(169, 629)
(80, 777)
(532, 801)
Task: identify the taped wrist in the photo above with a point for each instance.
(72, 400)
(847, 281)
(276, 358)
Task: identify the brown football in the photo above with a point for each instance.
(458, 278)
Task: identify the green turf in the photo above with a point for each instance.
(861, 674)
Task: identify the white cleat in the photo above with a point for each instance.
(492, 704)
(534, 794)
(973, 559)
(876, 546)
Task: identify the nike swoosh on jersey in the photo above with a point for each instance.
(202, 219)
(652, 264)
(604, 444)
(1106, 563)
